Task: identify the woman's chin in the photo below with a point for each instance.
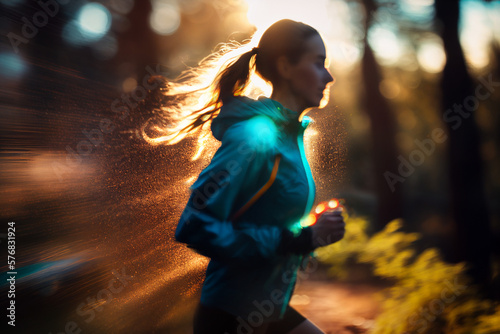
(320, 102)
(324, 101)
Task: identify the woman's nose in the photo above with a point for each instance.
(329, 78)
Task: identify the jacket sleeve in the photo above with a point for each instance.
(205, 226)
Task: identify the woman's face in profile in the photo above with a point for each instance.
(309, 77)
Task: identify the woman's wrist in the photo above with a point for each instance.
(300, 244)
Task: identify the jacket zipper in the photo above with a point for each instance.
(309, 204)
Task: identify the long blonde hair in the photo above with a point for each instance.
(196, 96)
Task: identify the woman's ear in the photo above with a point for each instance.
(283, 67)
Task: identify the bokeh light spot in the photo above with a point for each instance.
(389, 88)
(165, 19)
(129, 84)
(11, 66)
(385, 43)
(431, 57)
(94, 21)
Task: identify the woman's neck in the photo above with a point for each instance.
(287, 100)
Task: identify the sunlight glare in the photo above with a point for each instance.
(263, 13)
(330, 18)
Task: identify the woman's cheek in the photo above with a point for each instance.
(309, 77)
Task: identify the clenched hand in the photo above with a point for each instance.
(329, 228)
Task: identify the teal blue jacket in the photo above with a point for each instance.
(251, 270)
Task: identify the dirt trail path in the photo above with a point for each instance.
(336, 307)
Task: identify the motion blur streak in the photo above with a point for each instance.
(114, 209)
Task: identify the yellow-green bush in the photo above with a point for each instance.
(349, 248)
(428, 296)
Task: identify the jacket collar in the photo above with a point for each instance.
(241, 108)
(292, 118)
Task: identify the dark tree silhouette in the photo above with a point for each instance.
(383, 130)
(468, 203)
(138, 44)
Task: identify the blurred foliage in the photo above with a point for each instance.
(339, 254)
(428, 295)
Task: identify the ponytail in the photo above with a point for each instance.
(189, 103)
(234, 78)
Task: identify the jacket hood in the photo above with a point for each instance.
(241, 108)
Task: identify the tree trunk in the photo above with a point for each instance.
(468, 203)
(383, 128)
